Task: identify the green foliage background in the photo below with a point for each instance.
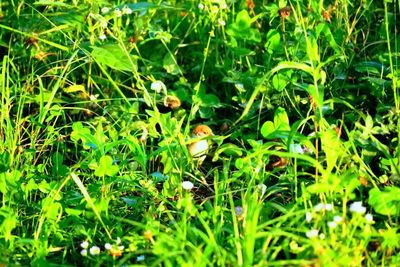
(302, 97)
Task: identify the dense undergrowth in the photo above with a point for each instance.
(98, 100)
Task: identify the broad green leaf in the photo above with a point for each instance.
(58, 168)
(282, 3)
(267, 128)
(49, 3)
(326, 31)
(81, 133)
(386, 202)
(243, 20)
(273, 43)
(279, 81)
(75, 88)
(141, 6)
(74, 212)
(312, 49)
(113, 56)
(229, 150)
(241, 29)
(371, 67)
(9, 221)
(170, 65)
(106, 167)
(333, 148)
(130, 201)
(281, 120)
(210, 100)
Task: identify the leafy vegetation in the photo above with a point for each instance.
(98, 100)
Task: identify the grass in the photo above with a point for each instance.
(99, 98)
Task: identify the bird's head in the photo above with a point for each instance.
(202, 130)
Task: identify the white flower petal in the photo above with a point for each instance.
(187, 185)
(319, 207)
(308, 216)
(84, 244)
(157, 86)
(95, 250)
(369, 217)
(357, 207)
(332, 224)
(296, 149)
(84, 252)
(312, 233)
(105, 10)
(337, 219)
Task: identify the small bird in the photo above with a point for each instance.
(198, 148)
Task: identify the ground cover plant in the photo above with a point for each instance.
(99, 99)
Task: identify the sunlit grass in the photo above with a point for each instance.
(98, 102)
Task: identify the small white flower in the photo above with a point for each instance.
(117, 12)
(121, 247)
(95, 250)
(369, 217)
(84, 252)
(332, 224)
(200, 6)
(312, 233)
(102, 37)
(337, 219)
(118, 241)
(221, 22)
(238, 210)
(107, 246)
(105, 10)
(84, 244)
(296, 149)
(126, 10)
(262, 188)
(357, 207)
(239, 86)
(322, 236)
(103, 24)
(308, 216)
(140, 258)
(187, 185)
(319, 207)
(157, 86)
(224, 5)
(328, 207)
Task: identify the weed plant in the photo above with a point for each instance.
(98, 100)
